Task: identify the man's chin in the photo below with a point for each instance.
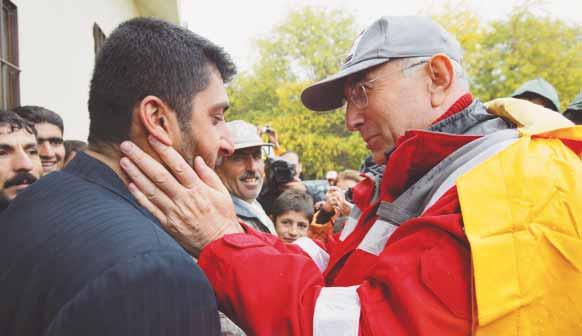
(379, 157)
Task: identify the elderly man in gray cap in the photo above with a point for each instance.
(402, 264)
(243, 174)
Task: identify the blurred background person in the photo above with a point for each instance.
(49, 127)
(348, 179)
(331, 177)
(72, 147)
(333, 213)
(293, 158)
(574, 110)
(20, 164)
(539, 91)
(292, 214)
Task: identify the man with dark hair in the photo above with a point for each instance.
(50, 129)
(19, 162)
(79, 255)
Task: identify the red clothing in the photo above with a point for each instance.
(420, 284)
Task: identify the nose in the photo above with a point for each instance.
(46, 150)
(354, 117)
(251, 163)
(226, 143)
(293, 232)
(22, 162)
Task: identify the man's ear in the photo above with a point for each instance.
(155, 117)
(441, 73)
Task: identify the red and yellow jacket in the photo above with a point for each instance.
(498, 253)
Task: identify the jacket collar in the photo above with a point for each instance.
(417, 151)
(95, 171)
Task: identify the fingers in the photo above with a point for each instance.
(178, 166)
(146, 203)
(149, 169)
(150, 191)
(207, 175)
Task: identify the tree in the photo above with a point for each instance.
(309, 45)
(505, 53)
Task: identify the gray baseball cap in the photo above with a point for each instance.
(245, 134)
(542, 88)
(388, 38)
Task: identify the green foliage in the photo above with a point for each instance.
(505, 53)
(309, 45)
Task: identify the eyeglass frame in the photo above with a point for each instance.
(367, 84)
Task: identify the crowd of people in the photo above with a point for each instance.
(98, 238)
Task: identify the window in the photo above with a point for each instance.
(9, 70)
(98, 37)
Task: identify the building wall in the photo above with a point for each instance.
(57, 53)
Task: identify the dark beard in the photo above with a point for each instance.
(188, 147)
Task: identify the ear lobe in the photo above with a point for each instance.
(153, 116)
(441, 74)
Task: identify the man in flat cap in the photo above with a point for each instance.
(473, 227)
(243, 174)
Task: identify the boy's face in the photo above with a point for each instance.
(291, 225)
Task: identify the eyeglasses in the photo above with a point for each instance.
(357, 93)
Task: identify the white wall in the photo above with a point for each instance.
(57, 53)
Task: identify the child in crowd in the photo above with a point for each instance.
(292, 212)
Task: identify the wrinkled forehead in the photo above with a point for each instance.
(48, 130)
(291, 157)
(15, 136)
(367, 74)
(6, 129)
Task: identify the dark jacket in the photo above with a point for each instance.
(79, 256)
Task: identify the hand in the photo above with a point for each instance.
(192, 205)
(271, 135)
(335, 200)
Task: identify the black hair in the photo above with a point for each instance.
(532, 95)
(293, 200)
(73, 146)
(145, 56)
(574, 115)
(39, 114)
(16, 122)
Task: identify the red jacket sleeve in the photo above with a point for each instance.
(262, 284)
(419, 285)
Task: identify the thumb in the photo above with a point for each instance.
(207, 175)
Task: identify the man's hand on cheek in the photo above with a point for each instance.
(192, 204)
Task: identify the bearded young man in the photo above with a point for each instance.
(79, 255)
(473, 227)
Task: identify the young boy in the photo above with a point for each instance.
(292, 212)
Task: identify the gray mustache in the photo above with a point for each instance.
(250, 175)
